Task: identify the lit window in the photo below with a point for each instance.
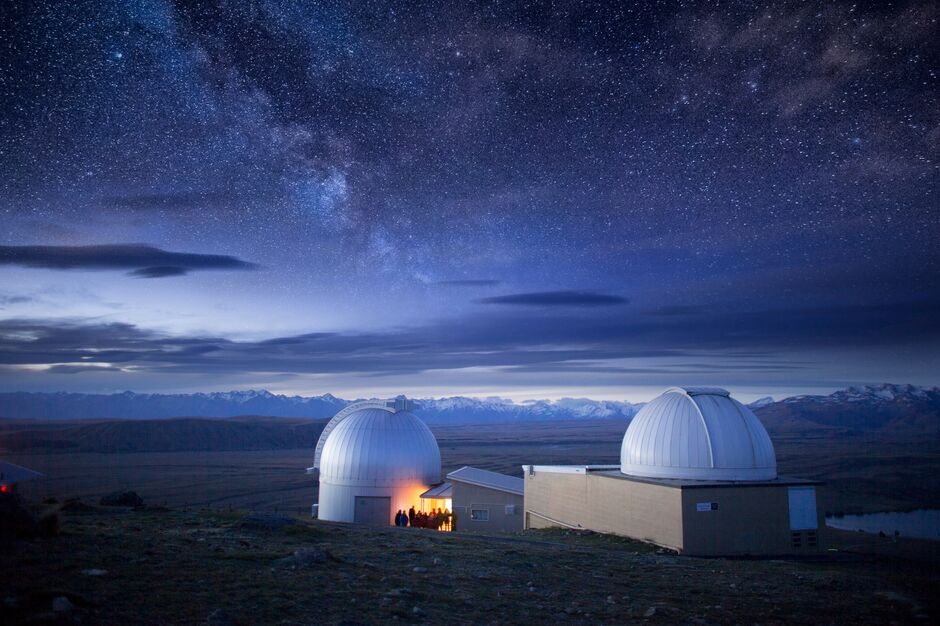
(510, 509)
(480, 515)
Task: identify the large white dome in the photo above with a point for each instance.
(698, 434)
(374, 447)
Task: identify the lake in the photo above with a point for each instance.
(922, 523)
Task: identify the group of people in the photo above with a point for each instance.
(437, 519)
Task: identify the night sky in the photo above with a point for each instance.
(523, 199)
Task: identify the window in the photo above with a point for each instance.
(510, 509)
(802, 508)
(480, 515)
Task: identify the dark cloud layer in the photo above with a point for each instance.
(754, 342)
(143, 261)
(556, 299)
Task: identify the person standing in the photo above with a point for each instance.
(411, 516)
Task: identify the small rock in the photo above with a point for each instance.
(61, 604)
(650, 612)
(610, 600)
(94, 572)
(122, 498)
(219, 617)
(438, 561)
(303, 558)
(417, 610)
(419, 570)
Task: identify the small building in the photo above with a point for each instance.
(697, 474)
(437, 497)
(374, 458)
(487, 501)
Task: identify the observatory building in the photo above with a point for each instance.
(697, 474)
(374, 458)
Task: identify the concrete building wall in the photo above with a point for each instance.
(337, 503)
(467, 497)
(552, 497)
(745, 520)
(644, 511)
(705, 521)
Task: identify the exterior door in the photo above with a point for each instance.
(374, 511)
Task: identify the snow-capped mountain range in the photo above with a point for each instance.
(130, 405)
(899, 409)
(866, 407)
(884, 392)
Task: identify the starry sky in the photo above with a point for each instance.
(532, 200)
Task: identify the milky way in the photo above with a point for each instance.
(530, 199)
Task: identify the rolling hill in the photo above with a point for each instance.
(168, 435)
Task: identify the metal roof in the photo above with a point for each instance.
(697, 434)
(437, 492)
(488, 479)
(10, 473)
(376, 447)
(705, 391)
(338, 418)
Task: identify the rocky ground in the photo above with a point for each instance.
(161, 566)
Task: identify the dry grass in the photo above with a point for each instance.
(180, 566)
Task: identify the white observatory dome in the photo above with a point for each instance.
(375, 447)
(698, 434)
(374, 459)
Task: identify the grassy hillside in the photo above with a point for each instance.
(176, 566)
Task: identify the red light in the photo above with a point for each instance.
(3, 488)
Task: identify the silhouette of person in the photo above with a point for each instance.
(411, 516)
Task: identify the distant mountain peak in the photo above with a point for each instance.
(881, 392)
(761, 402)
(886, 407)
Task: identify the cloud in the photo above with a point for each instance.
(80, 369)
(556, 299)
(143, 261)
(6, 300)
(711, 344)
(160, 271)
(470, 282)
